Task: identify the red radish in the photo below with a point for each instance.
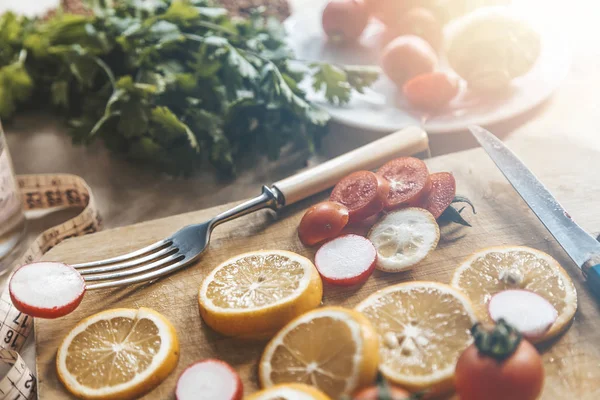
(345, 20)
(46, 289)
(209, 380)
(528, 312)
(406, 57)
(443, 190)
(363, 193)
(346, 260)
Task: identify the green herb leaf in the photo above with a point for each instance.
(167, 127)
(362, 77)
(334, 81)
(170, 82)
(16, 87)
(339, 82)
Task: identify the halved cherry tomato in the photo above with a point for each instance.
(363, 192)
(406, 57)
(322, 221)
(516, 375)
(373, 393)
(417, 21)
(345, 20)
(430, 91)
(443, 190)
(409, 181)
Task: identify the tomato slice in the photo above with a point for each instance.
(443, 190)
(409, 181)
(322, 221)
(431, 91)
(363, 193)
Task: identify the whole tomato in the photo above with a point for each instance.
(345, 20)
(390, 11)
(431, 91)
(417, 21)
(406, 57)
(499, 366)
(322, 221)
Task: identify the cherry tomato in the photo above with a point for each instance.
(443, 190)
(420, 22)
(409, 181)
(430, 91)
(406, 57)
(363, 192)
(519, 376)
(390, 11)
(322, 221)
(372, 393)
(345, 20)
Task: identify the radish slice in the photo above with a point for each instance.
(209, 380)
(528, 312)
(346, 260)
(46, 289)
(404, 238)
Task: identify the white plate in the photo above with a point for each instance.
(383, 110)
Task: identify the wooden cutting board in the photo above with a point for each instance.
(572, 361)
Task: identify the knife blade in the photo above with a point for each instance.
(581, 247)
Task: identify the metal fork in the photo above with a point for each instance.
(186, 245)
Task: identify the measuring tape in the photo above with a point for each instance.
(39, 192)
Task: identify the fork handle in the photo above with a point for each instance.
(404, 142)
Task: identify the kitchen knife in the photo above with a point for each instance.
(583, 249)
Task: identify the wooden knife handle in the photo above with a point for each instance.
(405, 142)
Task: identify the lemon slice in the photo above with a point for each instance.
(404, 238)
(495, 269)
(423, 328)
(117, 354)
(253, 295)
(332, 348)
(289, 391)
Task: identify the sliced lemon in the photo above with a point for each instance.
(332, 348)
(289, 391)
(404, 238)
(117, 354)
(423, 328)
(495, 269)
(253, 295)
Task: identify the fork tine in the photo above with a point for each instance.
(134, 271)
(125, 257)
(148, 276)
(136, 261)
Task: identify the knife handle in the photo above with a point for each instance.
(405, 142)
(591, 271)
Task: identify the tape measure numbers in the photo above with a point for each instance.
(39, 192)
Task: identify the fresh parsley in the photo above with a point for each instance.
(170, 82)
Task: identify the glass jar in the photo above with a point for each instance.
(12, 218)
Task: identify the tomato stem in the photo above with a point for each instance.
(498, 343)
(383, 388)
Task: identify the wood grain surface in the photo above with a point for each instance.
(503, 218)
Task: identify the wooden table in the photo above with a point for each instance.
(128, 194)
